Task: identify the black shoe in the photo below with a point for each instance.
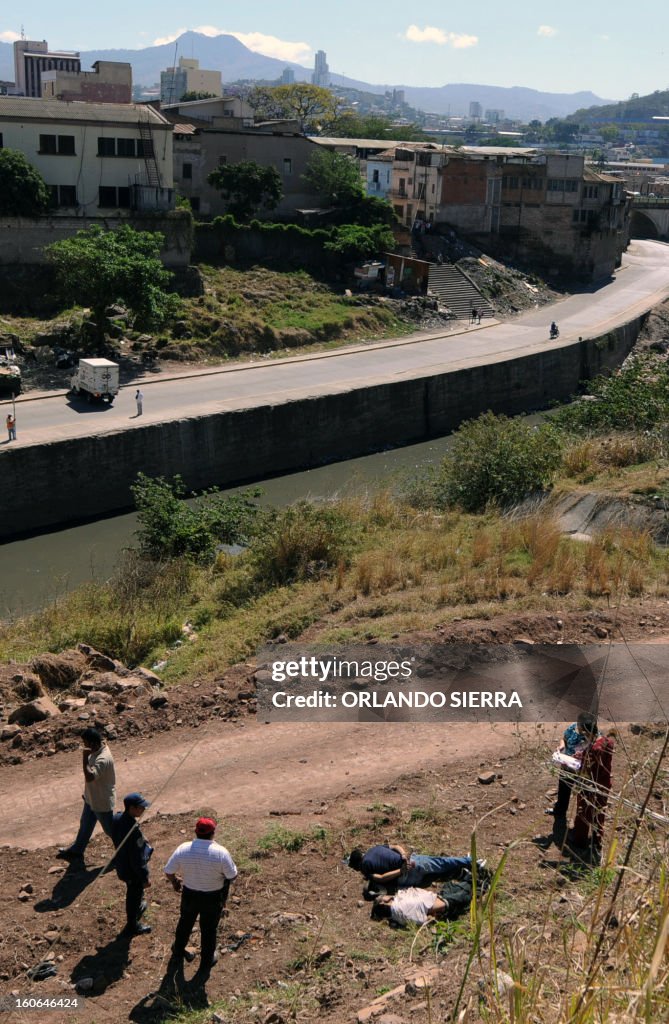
(137, 929)
(68, 854)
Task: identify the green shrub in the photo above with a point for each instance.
(497, 461)
(300, 542)
(169, 527)
(635, 397)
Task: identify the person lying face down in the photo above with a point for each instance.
(393, 867)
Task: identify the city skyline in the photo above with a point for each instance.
(596, 47)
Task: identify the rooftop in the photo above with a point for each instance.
(24, 108)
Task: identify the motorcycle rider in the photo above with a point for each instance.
(555, 332)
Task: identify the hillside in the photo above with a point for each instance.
(637, 108)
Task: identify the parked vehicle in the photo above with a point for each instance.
(10, 374)
(97, 379)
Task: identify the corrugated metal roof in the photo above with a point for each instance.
(184, 129)
(29, 109)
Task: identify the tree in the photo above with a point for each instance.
(194, 95)
(311, 105)
(23, 192)
(247, 187)
(334, 176)
(169, 527)
(352, 242)
(97, 268)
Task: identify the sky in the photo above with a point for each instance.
(610, 48)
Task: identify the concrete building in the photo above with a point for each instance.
(32, 58)
(97, 159)
(546, 209)
(108, 82)
(494, 116)
(187, 77)
(321, 74)
(379, 175)
(475, 111)
(220, 112)
(287, 77)
(201, 146)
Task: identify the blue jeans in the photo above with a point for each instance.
(88, 821)
(425, 870)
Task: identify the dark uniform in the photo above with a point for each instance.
(131, 862)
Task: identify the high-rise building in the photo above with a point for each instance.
(188, 77)
(475, 111)
(321, 75)
(32, 57)
(287, 77)
(494, 116)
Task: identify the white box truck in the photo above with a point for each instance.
(96, 379)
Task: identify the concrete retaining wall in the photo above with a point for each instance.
(53, 484)
(23, 239)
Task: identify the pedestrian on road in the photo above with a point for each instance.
(206, 870)
(475, 318)
(11, 427)
(99, 793)
(131, 861)
(139, 398)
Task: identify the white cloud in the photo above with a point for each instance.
(8, 36)
(546, 31)
(270, 46)
(431, 34)
(163, 40)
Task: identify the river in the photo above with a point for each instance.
(37, 570)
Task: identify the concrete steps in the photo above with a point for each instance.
(457, 291)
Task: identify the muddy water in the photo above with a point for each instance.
(37, 570)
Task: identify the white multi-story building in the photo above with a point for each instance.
(321, 75)
(95, 158)
(188, 77)
(32, 57)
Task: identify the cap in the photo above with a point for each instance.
(135, 800)
(205, 827)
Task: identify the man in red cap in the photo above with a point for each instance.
(206, 871)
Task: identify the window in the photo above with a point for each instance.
(66, 145)
(125, 147)
(222, 161)
(67, 195)
(124, 197)
(562, 185)
(48, 144)
(63, 195)
(187, 171)
(287, 165)
(375, 176)
(590, 191)
(509, 181)
(0, 140)
(195, 204)
(145, 148)
(107, 196)
(106, 147)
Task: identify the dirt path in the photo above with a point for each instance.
(232, 767)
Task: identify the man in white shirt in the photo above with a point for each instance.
(99, 793)
(206, 871)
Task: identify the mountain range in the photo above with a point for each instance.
(236, 61)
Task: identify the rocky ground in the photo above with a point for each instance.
(298, 942)
(45, 703)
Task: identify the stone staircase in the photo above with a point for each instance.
(457, 291)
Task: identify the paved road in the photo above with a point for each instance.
(641, 283)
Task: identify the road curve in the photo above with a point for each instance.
(641, 283)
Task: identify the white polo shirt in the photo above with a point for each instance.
(203, 865)
(412, 905)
